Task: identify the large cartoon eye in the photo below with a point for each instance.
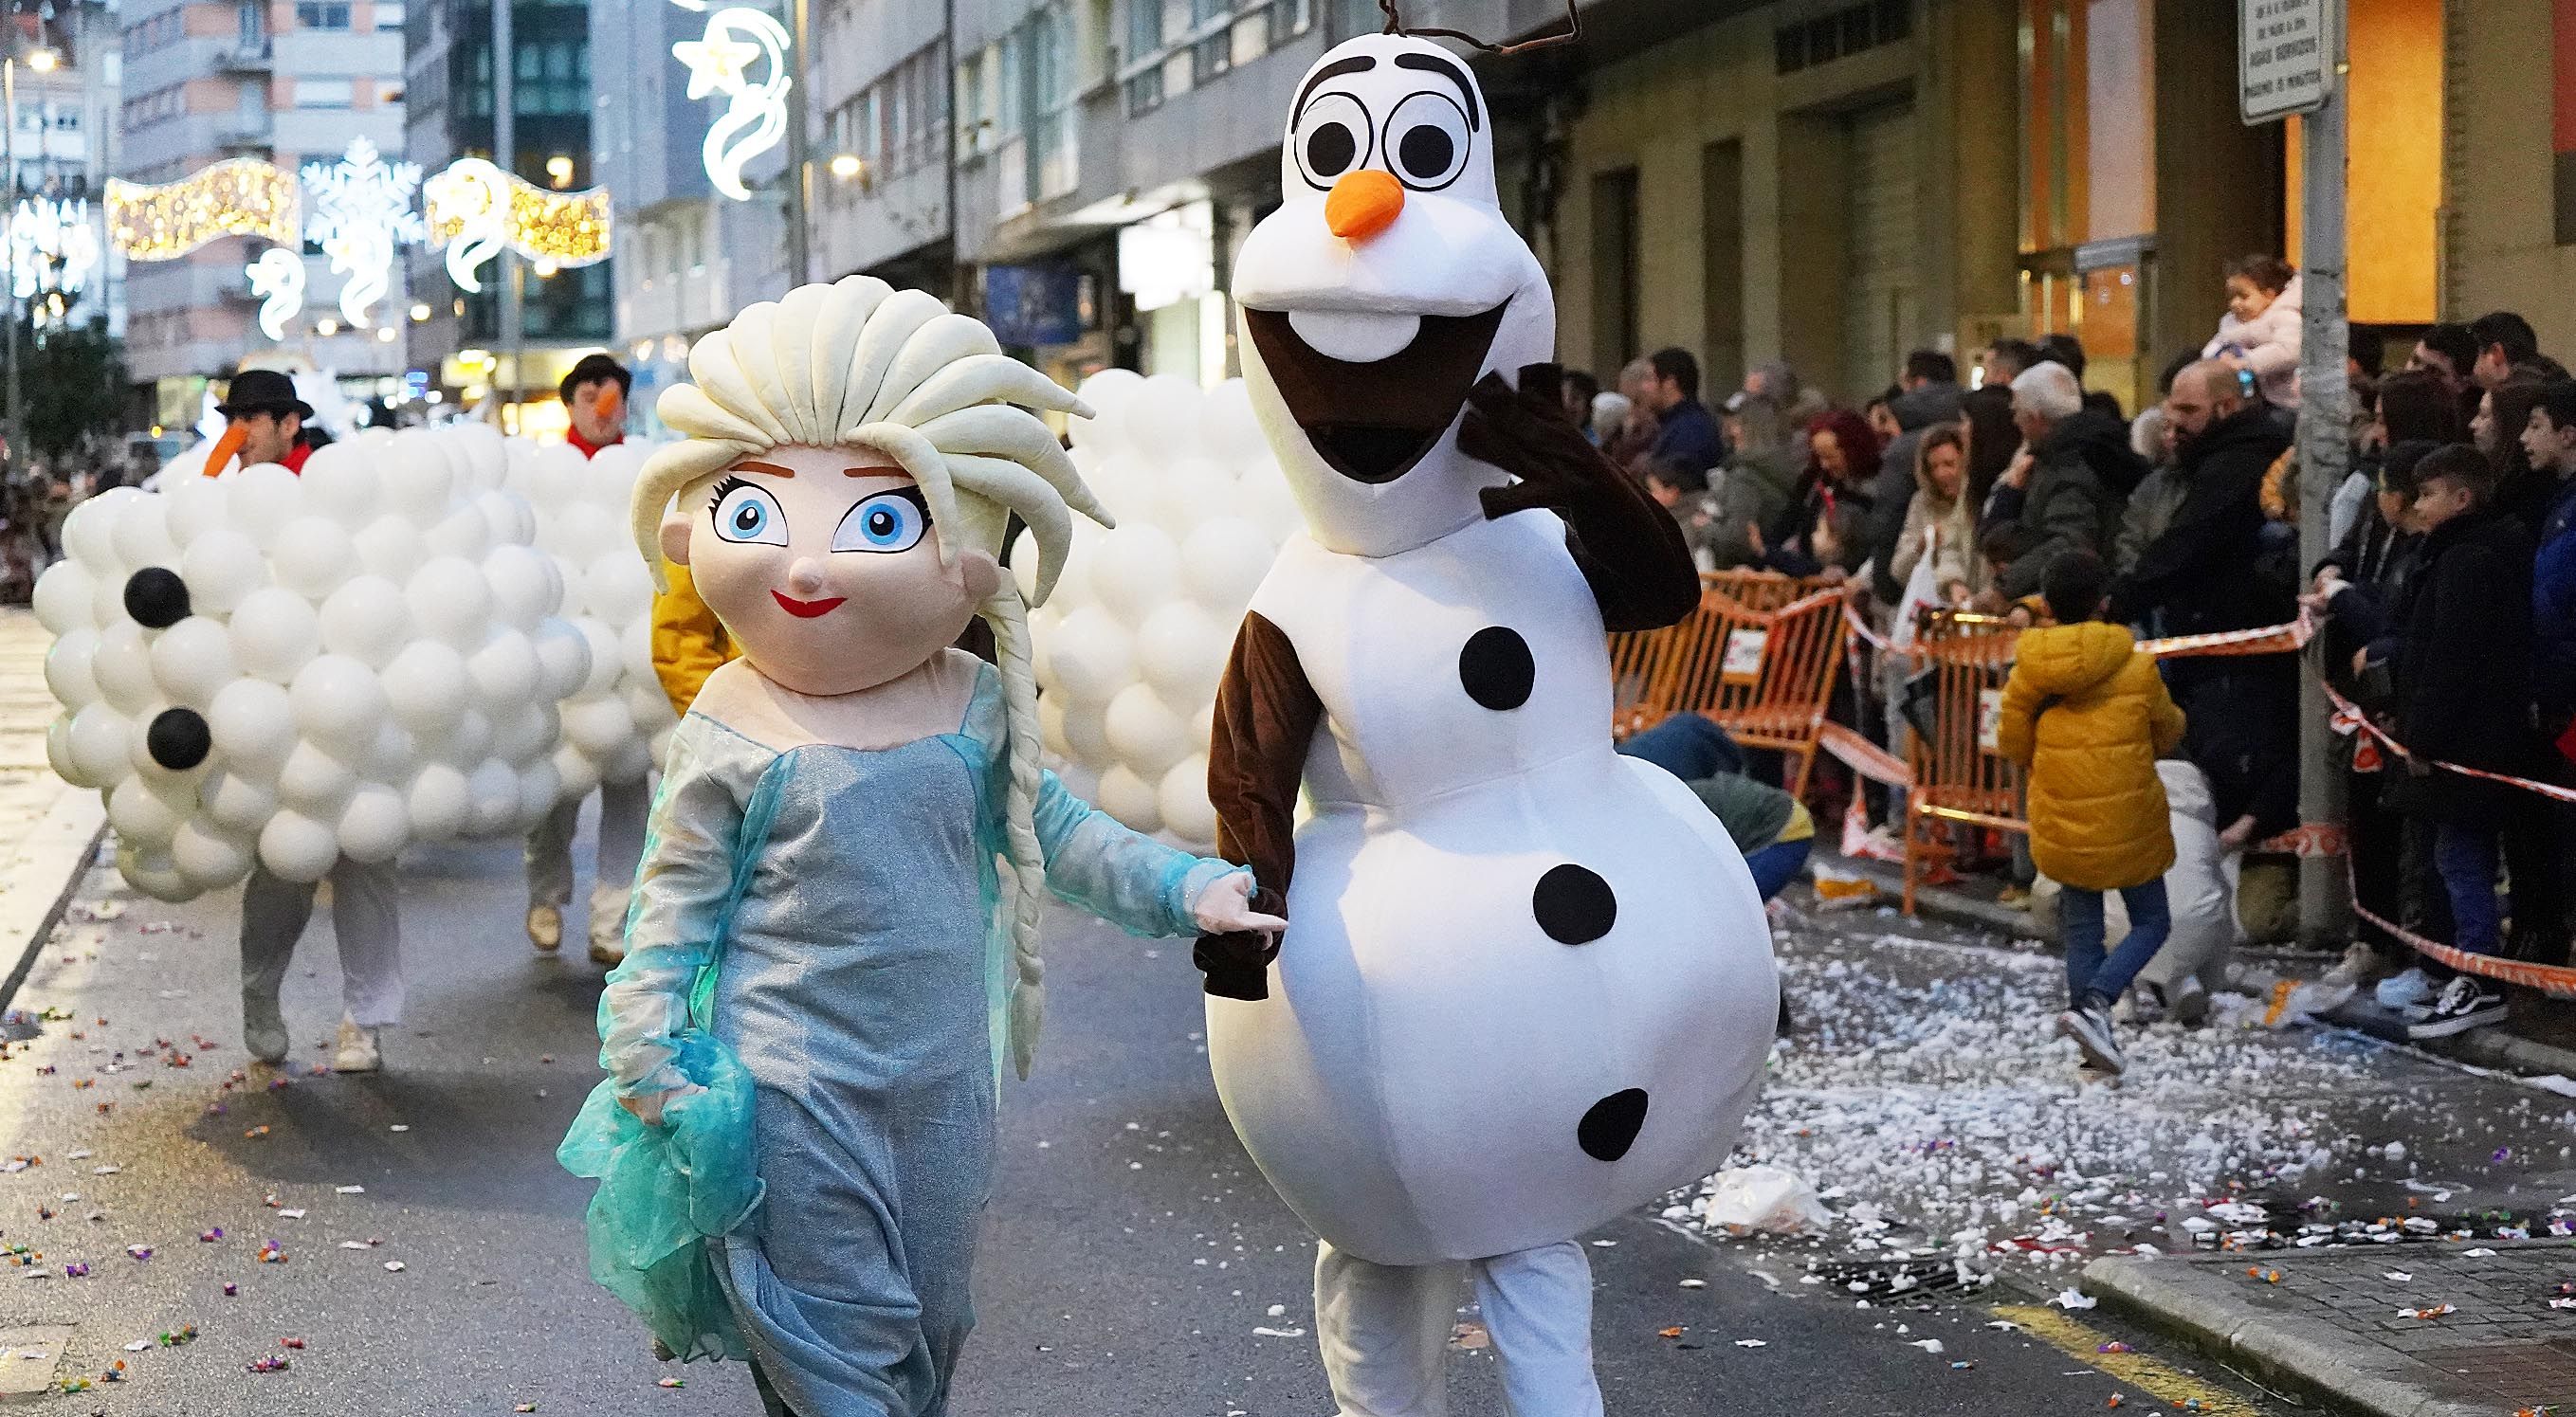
(1332, 137)
(885, 523)
(1427, 141)
(745, 512)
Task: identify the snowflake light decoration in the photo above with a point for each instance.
(361, 213)
(54, 247)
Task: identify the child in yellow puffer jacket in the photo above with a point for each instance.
(2087, 715)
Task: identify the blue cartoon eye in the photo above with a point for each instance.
(887, 522)
(745, 512)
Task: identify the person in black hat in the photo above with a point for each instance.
(594, 393)
(262, 404)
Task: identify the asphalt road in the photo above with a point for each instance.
(1130, 1259)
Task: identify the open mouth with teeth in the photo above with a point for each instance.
(1373, 392)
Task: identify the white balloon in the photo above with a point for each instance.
(418, 484)
(338, 704)
(58, 749)
(563, 657)
(88, 533)
(494, 792)
(366, 619)
(1183, 801)
(315, 781)
(1144, 732)
(597, 726)
(548, 482)
(71, 667)
(1109, 393)
(1139, 570)
(438, 801)
(275, 633)
(466, 742)
(1131, 799)
(221, 567)
(1165, 416)
(63, 596)
(143, 815)
(513, 521)
(426, 687)
(635, 649)
(633, 761)
(585, 531)
(1223, 562)
(392, 548)
(141, 536)
(1265, 501)
(520, 587)
(526, 734)
(96, 741)
(339, 484)
(297, 848)
(155, 873)
(313, 556)
(253, 724)
(375, 825)
(191, 661)
(504, 671)
(392, 756)
(196, 506)
(1086, 733)
(260, 501)
(617, 588)
(607, 657)
(1187, 491)
(576, 771)
(450, 600)
(123, 667)
(1228, 427)
(461, 533)
(1182, 652)
(1092, 656)
(540, 788)
(209, 859)
(236, 802)
(1051, 726)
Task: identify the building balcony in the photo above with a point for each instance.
(257, 58)
(236, 131)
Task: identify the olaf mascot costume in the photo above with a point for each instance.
(1526, 983)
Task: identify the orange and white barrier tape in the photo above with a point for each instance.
(2556, 980)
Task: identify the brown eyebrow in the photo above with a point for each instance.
(869, 471)
(771, 468)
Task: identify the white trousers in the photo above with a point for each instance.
(1385, 1329)
(622, 809)
(365, 916)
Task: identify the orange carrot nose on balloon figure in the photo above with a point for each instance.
(1526, 983)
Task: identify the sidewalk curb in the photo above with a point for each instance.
(2508, 1052)
(2298, 1352)
(1948, 906)
(39, 885)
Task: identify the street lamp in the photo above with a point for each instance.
(43, 60)
(847, 165)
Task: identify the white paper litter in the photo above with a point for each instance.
(2073, 1298)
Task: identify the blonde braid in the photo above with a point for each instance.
(1009, 617)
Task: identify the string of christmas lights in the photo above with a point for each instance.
(239, 196)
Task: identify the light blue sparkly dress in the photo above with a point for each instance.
(817, 938)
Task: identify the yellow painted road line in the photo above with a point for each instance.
(2158, 1383)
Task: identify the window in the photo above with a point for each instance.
(251, 19)
(332, 16)
(389, 15)
(325, 93)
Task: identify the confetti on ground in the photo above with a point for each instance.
(350, 1190)
(670, 1382)
(2435, 1312)
(393, 1266)
(1752, 1343)
(272, 1363)
(1279, 1333)
(1694, 1284)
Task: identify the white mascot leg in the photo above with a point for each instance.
(1383, 1330)
(1538, 1307)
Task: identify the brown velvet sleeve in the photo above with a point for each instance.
(1266, 716)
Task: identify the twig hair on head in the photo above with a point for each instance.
(1573, 31)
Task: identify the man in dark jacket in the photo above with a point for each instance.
(1687, 435)
(1931, 396)
(2202, 571)
(2463, 677)
(2550, 439)
(2051, 493)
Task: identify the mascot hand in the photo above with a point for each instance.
(1225, 908)
(1526, 433)
(1240, 940)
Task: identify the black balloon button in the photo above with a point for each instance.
(1610, 1126)
(1574, 906)
(156, 597)
(1496, 668)
(178, 739)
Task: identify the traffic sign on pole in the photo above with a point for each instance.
(2284, 57)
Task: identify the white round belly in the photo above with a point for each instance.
(1503, 1016)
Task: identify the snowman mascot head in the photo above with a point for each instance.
(1382, 289)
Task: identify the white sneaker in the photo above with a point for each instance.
(608, 926)
(358, 1051)
(2359, 962)
(2400, 992)
(2091, 1029)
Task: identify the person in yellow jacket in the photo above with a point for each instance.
(2087, 715)
(688, 642)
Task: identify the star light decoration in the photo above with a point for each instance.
(277, 277)
(475, 210)
(239, 196)
(755, 116)
(361, 213)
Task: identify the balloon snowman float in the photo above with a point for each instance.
(427, 635)
(1526, 983)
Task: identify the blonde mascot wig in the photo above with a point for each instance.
(859, 364)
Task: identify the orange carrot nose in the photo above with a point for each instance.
(1363, 203)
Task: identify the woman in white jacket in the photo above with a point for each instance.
(2260, 331)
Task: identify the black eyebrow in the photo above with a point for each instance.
(1437, 64)
(1356, 64)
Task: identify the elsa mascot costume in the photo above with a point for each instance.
(834, 931)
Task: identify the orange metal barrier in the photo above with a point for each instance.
(1959, 777)
(1757, 658)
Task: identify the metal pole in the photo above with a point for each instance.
(800, 158)
(948, 77)
(505, 152)
(17, 307)
(2325, 454)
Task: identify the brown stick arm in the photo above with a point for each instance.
(1266, 716)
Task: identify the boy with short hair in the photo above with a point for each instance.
(2087, 715)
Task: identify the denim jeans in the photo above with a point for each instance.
(2079, 915)
(2470, 860)
(1688, 746)
(1776, 865)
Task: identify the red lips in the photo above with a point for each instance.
(807, 609)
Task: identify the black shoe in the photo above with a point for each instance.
(2090, 1026)
(2466, 1002)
